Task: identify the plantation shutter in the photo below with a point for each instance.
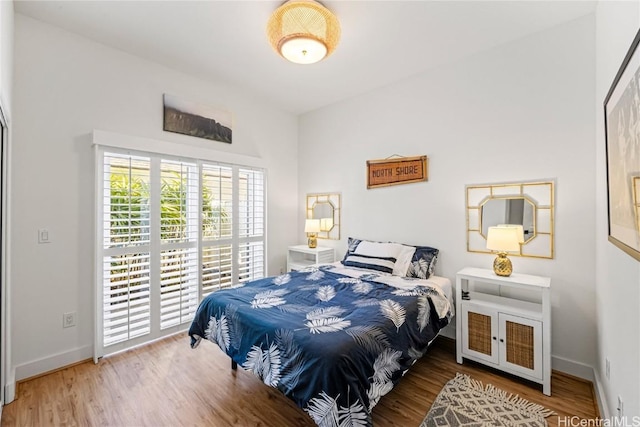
(217, 227)
(179, 243)
(170, 232)
(126, 272)
(251, 229)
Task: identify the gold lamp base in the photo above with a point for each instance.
(312, 241)
(502, 265)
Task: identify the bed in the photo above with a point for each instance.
(333, 338)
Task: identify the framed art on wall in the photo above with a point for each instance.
(190, 118)
(622, 135)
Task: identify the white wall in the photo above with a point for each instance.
(6, 55)
(522, 111)
(518, 112)
(6, 74)
(66, 86)
(617, 274)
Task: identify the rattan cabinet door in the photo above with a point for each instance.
(480, 332)
(521, 344)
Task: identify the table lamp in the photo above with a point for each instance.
(312, 227)
(503, 239)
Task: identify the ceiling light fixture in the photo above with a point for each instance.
(303, 31)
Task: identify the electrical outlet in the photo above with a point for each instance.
(620, 407)
(69, 319)
(43, 235)
(607, 368)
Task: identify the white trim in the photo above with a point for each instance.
(10, 391)
(97, 255)
(601, 399)
(49, 363)
(571, 367)
(180, 331)
(4, 262)
(157, 146)
(156, 152)
(61, 361)
(586, 372)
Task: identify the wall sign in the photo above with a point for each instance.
(397, 170)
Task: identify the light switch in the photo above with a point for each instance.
(43, 235)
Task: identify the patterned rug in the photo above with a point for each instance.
(467, 402)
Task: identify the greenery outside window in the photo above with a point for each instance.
(172, 231)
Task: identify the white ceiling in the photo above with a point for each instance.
(382, 41)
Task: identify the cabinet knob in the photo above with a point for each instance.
(494, 338)
(501, 340)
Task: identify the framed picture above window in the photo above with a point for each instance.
(622, 134)
(193, 119)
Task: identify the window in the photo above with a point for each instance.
(172, 232)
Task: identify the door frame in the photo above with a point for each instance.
(4, 258)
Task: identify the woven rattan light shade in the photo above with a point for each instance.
(303, 31)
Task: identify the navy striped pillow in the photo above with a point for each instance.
(381, 264)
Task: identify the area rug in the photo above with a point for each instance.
(466, 402)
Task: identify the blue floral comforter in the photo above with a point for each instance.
(331, 342)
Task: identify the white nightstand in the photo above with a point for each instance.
(506, 333)
(301, 256)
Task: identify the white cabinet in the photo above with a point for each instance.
(302, 256)
(505, 332)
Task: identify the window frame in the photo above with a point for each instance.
(156, 246)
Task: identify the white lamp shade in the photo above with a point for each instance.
(303, 50)
(312, 226)
(519, 228)
(503, 239)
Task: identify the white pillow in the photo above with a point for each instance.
(403, 260)
(402, 253)
(367, 262)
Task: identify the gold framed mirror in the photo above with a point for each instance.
(529, 204)
(325, 207)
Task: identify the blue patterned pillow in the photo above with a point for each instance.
(352, 244)
(423, 263)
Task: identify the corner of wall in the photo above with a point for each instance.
(601, 398)
(571, 367)
(588, 373)
(50, 363)
(9, 393)
(10, 387)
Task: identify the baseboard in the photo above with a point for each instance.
(601, 398)
(571, 367)
(581, 370)
(50, 363)
(586, 372)
(10, 386)
(10, 392)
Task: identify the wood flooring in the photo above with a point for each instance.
(169, 384)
